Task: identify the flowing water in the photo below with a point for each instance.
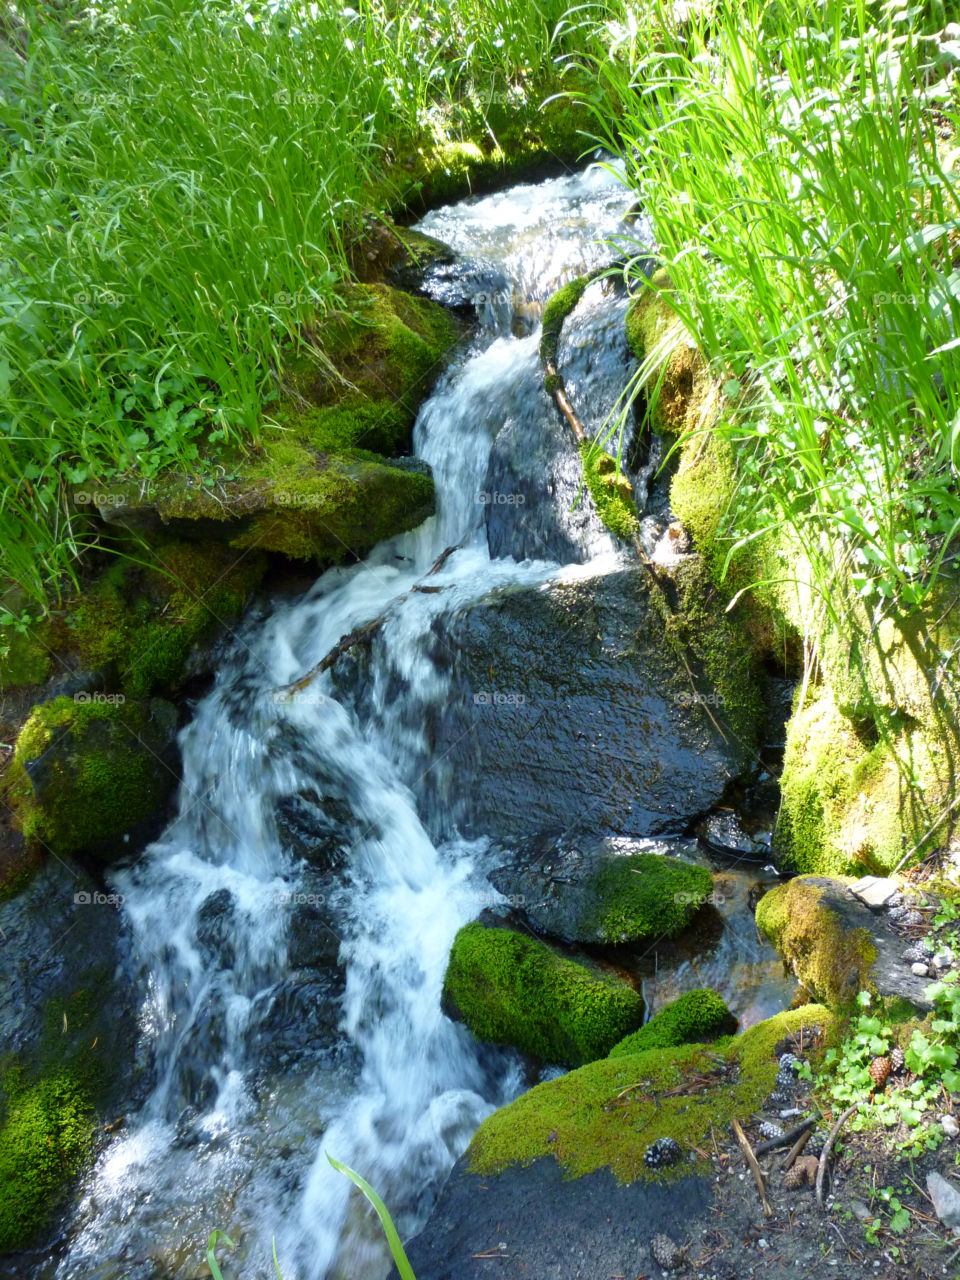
(259, 1065)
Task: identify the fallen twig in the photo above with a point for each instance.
(786, 1138)
(795, 1150)
(827, 1148)
(751, 1159)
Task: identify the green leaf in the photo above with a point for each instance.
(389, 1230)
(215, 1237)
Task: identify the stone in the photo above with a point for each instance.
(876, 891)
(949, 1126)
(919, 969)
(944, 959)
(946, 1200)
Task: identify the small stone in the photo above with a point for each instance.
(920, 970)
(912, 918)
(762, 1243)
(949, 1126)
(875, 891)
(944, 959)
(946, 1200)
(916, 953)
(860, 1211)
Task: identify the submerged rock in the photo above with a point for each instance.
(511, 989)
(590, 705)
(835, 944)
(604, 891)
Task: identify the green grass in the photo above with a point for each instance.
(180, 184)
(808, 215)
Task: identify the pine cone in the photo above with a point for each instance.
(898, 1060)
(880, 1069)
(665, 1252)
(802, 1174)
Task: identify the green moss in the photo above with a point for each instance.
(512, 989)
(45, 1137)
(558, 307)
(84, 773)
(611, 491)
(24, 657)
(679, 387)
(644, 895)
(694, 1017)
(832, 960)
(607, 1113)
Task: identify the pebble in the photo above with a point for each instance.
(921, 970)
(949, 1126)
(944, 959)
(912, 918)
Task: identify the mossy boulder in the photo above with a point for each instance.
(608, 1113)
(46, 1134)
(558, 307)
(93, 774)
(693, 1018)
(683, 396)
(835, 945)
(511, 989)
(590, 893)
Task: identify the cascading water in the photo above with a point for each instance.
(253, 1080)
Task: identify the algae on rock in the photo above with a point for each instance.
(511, 989)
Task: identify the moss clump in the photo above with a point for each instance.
(644, 895)
(611, 491)
(86, 773)
(695, 1017)
(608, 1113)
(832, 960)
(45, 1137)
(511, 989)
(680, 386)
(24, 657)
(558, 307)
(146, 619)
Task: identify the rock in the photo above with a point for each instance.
(511, 989)
(944, 959)
(920, 970)
(875, 891)
(95, 776)
(917, 953)
(836, 945)
(949, 1126)
(946, 1200)
(576, 713)
(216, 926)
(535, 1212)
(320, 828)
(603, 891)
(694, 1017)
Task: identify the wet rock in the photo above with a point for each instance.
(538, 1214)
(296, 1023)
(216, 927)
(574, 711)
(723, 834)
(603, 891)
(835, 944)
(316, 827)
(876, 891)
(949, 1126)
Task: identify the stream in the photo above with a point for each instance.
(292, 926)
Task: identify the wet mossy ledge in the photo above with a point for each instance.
(873, 748)
(607, 1113)
(693, 1018)
(511, 989)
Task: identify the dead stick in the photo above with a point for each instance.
(785, 1138)
(566, 408)
(827, 1147)
(747, 1150)
(795, 1150)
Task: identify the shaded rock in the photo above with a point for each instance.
(216, 927)
(297, 1022)
(834, 944)
(604, 891)
(316, 827)
(550, 1226)
(576, 711)
(511, 989)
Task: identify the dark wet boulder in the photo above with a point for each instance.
(296, 1022)
(511, 989)
(216, 927)
(316, 827)
(603, 891)
(68, 1026)
(588, 706)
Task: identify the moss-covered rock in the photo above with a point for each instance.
(681, 389)
(607, 1113)
(513, 990)
(693, 1018)
(89, 774)
(46, 1133)
(558, 307)
(611, 491)
(830, 954)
